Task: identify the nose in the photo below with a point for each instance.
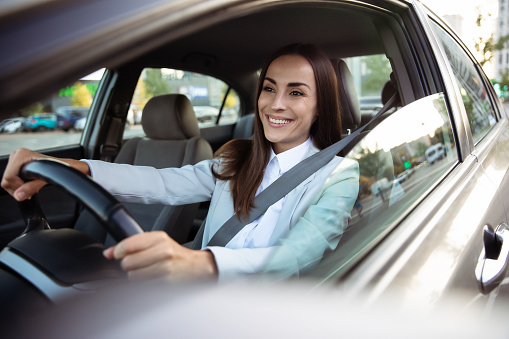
(278, 104)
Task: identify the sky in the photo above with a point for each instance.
(442, 7)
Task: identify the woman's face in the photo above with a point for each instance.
(288, 102)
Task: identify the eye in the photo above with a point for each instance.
(296, 93)
(268, 89)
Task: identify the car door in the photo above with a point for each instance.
(441, 248)
(488, 127)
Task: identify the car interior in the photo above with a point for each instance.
(231, 50)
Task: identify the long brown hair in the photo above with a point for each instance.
(244, 161)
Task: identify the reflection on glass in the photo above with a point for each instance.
(399, 161)
(473, 92)
(402, 144)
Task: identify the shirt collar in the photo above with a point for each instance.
(291, 157)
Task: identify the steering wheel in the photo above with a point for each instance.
(46, 264)
(108, 210)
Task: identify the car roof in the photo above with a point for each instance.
(100, 30)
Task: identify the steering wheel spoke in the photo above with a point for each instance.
(32, 214)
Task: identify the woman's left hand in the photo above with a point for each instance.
(155, 255)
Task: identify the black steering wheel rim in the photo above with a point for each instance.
(108, 210)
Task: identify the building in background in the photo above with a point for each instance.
(456, 22)
(501, 58)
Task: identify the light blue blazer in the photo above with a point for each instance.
(311, 222)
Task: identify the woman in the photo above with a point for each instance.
(298, 114)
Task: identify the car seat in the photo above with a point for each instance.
(390, 88)
(244, 127)
(348, 102)
(172, 140)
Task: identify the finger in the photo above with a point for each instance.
(11, 181)
(139, 242)
(28, 189)
(153, 255)
(108, 253)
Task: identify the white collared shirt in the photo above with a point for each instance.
(258, 233)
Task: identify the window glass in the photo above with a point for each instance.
(206, 93)
(399, 161)
(481, 115)
(370, 73)
(57, 120)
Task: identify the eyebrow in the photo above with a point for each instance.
(291, 84)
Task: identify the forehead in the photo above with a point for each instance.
(291, 68)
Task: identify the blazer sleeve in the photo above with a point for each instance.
(148, 185)
(317, 231)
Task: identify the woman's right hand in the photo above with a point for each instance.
(11, 181)
(22, 190)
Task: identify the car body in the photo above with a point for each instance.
(401, 177)
(12, 125)
(41, 122)
(435, 153)
(206, 113)
(430, 237)
(79, 125)
(68, 115)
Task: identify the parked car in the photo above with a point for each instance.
(41, 122)
(443, 236)
(206, 113)
(435, 153)
(79, 125)
(68, 115)
(12, 125)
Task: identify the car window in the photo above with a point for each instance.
(211, 98)
(370, 74)
(55, 121)
(481, 115)
(399, 161)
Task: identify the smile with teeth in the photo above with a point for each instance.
(279, 121)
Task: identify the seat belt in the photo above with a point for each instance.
(282, 186)
(109, 150)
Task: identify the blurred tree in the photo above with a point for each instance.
(420, 149)
(81, 96)
(155, 83)
(378, 70)
(232, 100)
(140, 96)
(369, 162)
(487, 46)
(32, 109)
(504, 80)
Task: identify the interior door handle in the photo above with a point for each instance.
(493, 262)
